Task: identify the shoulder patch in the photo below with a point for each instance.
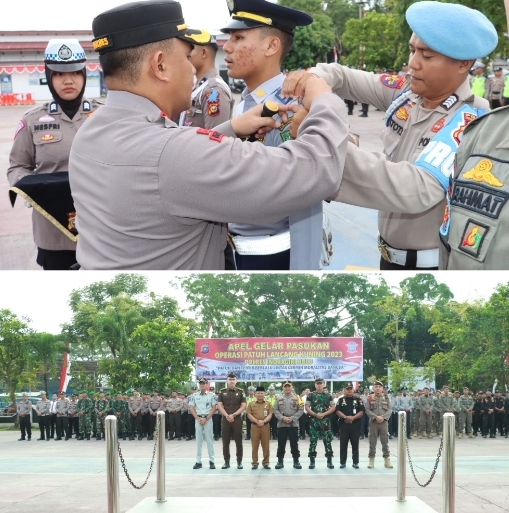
(213, 136)
(392, 81)
(20, 127)
(213, 103)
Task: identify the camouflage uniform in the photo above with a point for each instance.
(118, 406)
(85, 408)
(101, 406)
(320, 403)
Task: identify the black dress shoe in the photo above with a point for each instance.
(29, 438)
(342, 465)
(254, 467)
(361, 437)
(140, 438)
(216, 438)
(197, 465)
(226, 465)
(248, 438)
(355, 465)
(179, 439)
(239, 465)
(41, 439)
(20, 439)
(59, 438)
(211, 465)
(266, 467)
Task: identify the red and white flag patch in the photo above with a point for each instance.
(20, 127)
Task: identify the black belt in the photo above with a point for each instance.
(202, 416)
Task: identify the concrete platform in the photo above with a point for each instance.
(294, 504)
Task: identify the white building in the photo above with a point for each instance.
(22, 61)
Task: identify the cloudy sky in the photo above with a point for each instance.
(43, 296)
(55, 15)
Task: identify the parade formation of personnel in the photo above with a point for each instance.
(288, 410)
(154, 405)
(202, 406)
(62, 418)
(41, 147)
(349, 409)
(188, 173)
(102, 408)
(135, 404)
(231, 403)
(174, 406)
(24, 410)
(260, 413)
(426, 406)
(379, 410)
(409, 181)
(489, 415)
(319, 406)
(499, 413)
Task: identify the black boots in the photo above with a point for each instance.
(329, 462)
(311, 462)
(296, 463)
(279, 463)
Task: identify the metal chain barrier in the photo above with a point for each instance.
(410, 458)
(156, 432)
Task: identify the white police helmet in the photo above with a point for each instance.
(64, 55)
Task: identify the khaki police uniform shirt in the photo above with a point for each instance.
(151, 195)
(41, 145)
(43, 406)
(495, 88)
(135, 404)
(479, 216)
(231, 399)
(24, 408)
(174, 404)
(155, 404)
(288, 406)
(410, 201)
(62, 407)
(378, 406)
(213, 105)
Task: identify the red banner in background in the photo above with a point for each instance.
(266, 359)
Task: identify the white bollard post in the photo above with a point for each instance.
(401, 457)
(112, 464)
(161, 476)
(448, 463)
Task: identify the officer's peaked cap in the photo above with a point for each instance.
(232, 375)
(287, 383)
(319, 380)
(349, 385)
(377, 382)
(140, 23)
(453, 30)
(247, 14)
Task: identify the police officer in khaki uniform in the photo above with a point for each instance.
(42, 409)
(135, 404)
(426, 112)
(145, 415)
(426, 402)
(260, 412)
(42, 143)
(211, 98)
(165, 206)
(154, 406)
(174, 407)
(379, 410)
(288, 409)
(72, 414)
(62, 420)
(231, 403)
(476, 237)
(24, 409)
(495, 88)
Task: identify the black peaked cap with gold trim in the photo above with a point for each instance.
(247, 14)
(140, 23)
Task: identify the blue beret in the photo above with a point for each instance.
(453, 30)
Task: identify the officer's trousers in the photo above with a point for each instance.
(499, 422)
(153, 423)
(248, 428)
(135, 423)
(52, 424)
(303, 425)
(100, 423)
(183, 424)
(145, 423)
(425, 422)
(260, 435)
(477, 422)
(25, 425)
(273, 427)
(191, 432)
(216, 423)
(201, 433)
(488, 424)
(62, 427)
(283, 434)
(74, 426)
(365, 422)
(44, 425)
(175, 424)
(349, 433)
(466, 418)
(378, 430)
(235, 428)
(437, 422)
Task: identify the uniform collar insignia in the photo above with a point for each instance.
(53, 107)
(86, 106)
(260, 93)
(448, 103)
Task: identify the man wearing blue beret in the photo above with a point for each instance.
(475, 234)
(426, 113)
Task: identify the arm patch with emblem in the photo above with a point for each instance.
(213, 135)
(20, 127)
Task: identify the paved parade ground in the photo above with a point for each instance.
(64, 476)
(354, 228)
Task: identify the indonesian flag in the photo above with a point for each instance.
(335, 53)
(64, 373)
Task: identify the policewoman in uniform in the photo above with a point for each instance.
(294, 241)
(211, 98)
(42, 143)
(349, 409)
(260, 412)
(426, 112)
(152, 195)
(378, 410)
(231, 403)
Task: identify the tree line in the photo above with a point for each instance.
(139, 339)
(373, 32)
